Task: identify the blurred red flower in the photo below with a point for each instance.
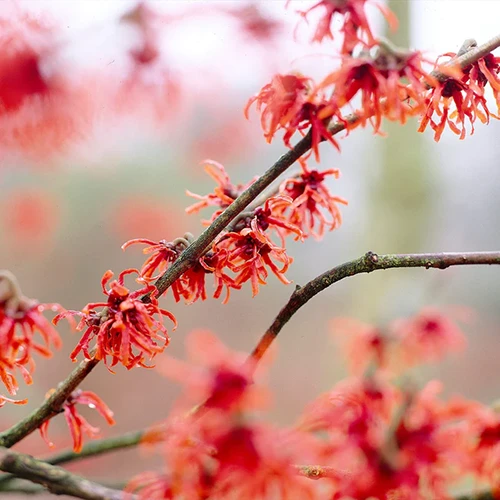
(77, 423)
(31, 218)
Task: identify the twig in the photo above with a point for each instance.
(196, 249)
(49, 408)
(92, 449)
(25, 487)
(53, 404)
(98, 447)
(320, 472)
(366, 264)
(55, 479)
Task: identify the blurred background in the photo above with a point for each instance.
(155, 98)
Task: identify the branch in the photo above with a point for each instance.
(98, 447)
(25, 487)
(55, 479)
(92, 449)
(196, 249)
(49, 408)
(53, 404)
(366, 264)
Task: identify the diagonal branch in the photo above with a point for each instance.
(49, 408)
(52, 406)
(366, 264)
(196, 249)
(99, 447)
(57, 480)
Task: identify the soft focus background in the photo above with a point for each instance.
(64, 216)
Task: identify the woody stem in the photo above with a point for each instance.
(365, 264)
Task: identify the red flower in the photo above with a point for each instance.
(163, 254)
(191, 285)
(254, 23)
(249, 253)
(255, 459)
(151, 486)
(365, 344)
(20, 320)
(459, 97)
(76, 423)
(483, 72)
(269, 216)
(215, 374)
(379, 82)
(126, 328)
(215, 452)
(355, 26)
(41, 110)
(428, 336)
(309, 195)
(224, 194)
(287, 103)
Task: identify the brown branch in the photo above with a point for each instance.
(54, 479)
(189, 257)
(98, 447)
(25, 487)
(49, 408)
(53, 404)
(366, 264)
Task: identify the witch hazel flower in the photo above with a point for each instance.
(126, 329)
(427, 336)
(42, 110)
(21, 322)
(483, 74)
(391, 83)
(313, 209)
(218, 451)
(460, 96)
(191, 286)
(355, 27)
(250, 253)
(77, 424)
(289, 104)
(224, 193)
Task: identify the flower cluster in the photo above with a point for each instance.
(388, 82)
(21, 322)
(461, 97)
(427, 337)
(355, 27)
(125, 329)
(77, 424)
(219, 452)
(246, 252)
(370, 436)
(288, 103)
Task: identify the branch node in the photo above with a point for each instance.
(372, 257)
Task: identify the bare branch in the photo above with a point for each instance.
(54, 479)
(366, 264)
